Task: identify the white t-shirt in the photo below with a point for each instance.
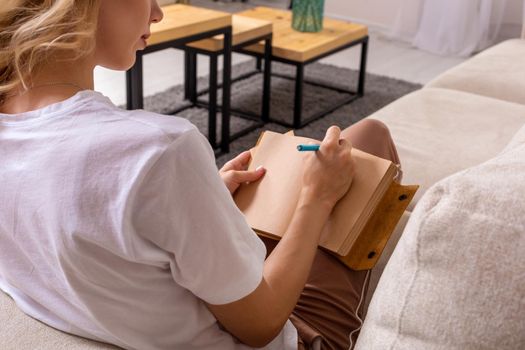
(115, 225)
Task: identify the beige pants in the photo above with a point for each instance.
(329, 310)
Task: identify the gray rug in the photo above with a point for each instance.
(247, 93)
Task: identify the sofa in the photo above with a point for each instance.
(452, 276)
(459, 138)
(462, 118)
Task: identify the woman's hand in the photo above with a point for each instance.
(234, 172)
(329, 171)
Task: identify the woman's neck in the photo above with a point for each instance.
(52, 84)
(33, 100)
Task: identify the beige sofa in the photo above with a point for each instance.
(463, 118)
(455, 279)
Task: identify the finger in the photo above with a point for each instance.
(238, 163)
(248, 176)
(332, 136)
(244, 157)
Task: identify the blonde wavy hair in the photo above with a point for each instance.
(32, 31)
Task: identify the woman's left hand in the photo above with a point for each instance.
(234, 172)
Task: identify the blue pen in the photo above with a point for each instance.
(302, 148)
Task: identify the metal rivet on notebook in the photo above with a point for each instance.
(371, 255)
(403, 197)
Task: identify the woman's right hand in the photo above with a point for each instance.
(328, 173)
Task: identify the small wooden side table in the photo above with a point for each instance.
(246, 31)
(183, 24)
(299, 49)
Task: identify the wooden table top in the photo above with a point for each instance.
(298, 46)
(183, 20)
(243, 29)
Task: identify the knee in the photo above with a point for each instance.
(375, 129)
(379, 134)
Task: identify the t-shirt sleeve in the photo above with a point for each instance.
(184, 208)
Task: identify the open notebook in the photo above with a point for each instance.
(269, 204)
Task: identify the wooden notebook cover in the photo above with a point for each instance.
(367, 249)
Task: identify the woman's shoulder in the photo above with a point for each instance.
(135, 125)
(156, 125)
(130, 136)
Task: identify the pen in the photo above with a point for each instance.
(302, 148)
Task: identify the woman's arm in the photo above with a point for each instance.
(257, 318)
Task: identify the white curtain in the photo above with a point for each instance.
(450, 27)
(407, 20)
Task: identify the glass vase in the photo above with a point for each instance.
(307, 15)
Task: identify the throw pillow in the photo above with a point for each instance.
(456, 279)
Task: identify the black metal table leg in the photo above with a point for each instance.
(362, 68)
(129, 90)
(187, 64)
(212, 110)
(134, 87)
(193, 76)
(226, 91)
(298, 102)
(265, 104)
(267, 80)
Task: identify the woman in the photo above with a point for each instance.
(115, 225)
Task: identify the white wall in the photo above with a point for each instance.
(382, 14)
(377, 13)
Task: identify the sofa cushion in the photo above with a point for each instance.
(19, 331)
(439, 132)
(455, 279)
(497, 72)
